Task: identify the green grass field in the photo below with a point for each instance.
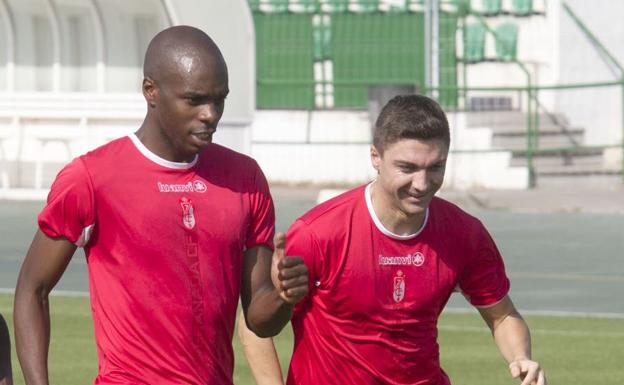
(573, 350)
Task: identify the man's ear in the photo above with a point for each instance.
(375, 157)
(150, 91)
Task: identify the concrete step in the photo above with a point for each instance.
(519, 142)
(548, 161)
(509, 129)
(555, 166)
(543, 130)
(593, 180)
(574, 170)
(594, 159)
(510, 118)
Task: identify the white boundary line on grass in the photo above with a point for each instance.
(551, 332)
(546, 313)
(451, 310)
(54, 293)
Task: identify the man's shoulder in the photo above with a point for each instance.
(335, 208)
(107, 151)
(104, 157)
(216, 151)
(452, 215)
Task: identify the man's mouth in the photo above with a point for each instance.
(416, 196)
(203, 135)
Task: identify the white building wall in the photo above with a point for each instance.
(598, 110)
(326, 147)
(129, 27)
(4, 56)
(537, 49)
(556, 51)
(40, 129)
(230, 24)
(473, 165)
(333, 147)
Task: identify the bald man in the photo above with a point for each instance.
(174, 228)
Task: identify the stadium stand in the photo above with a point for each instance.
(506, 41)
(352, 44)
(522, 7)
(336, 55)
(318, 67)
(491, 7)
(474, 43)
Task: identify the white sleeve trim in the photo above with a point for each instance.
(458, 289)
(85, 236)
(490, 305)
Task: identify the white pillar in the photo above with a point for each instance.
(56, 44)
(100, 46)
(170, 12)
(10, 48)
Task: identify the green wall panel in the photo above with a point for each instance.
(284, 61)
(365, 49)
(373, 49)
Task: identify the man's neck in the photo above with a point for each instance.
(392, 218)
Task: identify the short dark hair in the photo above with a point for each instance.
(410, 117)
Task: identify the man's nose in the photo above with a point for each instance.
(419, 180)
(208, 113)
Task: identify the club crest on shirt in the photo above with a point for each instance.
(188, 217)
(398, 291)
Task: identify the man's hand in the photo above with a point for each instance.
(289, 274)
(529, 371)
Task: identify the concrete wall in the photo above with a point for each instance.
(230, 24)
(556, 51)
(473, 165)
(332, 147)
(598, 110)
(537, 49)
(39, 134)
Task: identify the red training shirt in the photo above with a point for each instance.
(164, 244)
(375, 297)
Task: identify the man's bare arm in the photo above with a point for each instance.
(6, 375)
(272, 283)
(45, 262)
(513, 339)
(261, 356)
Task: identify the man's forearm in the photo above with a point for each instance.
(268, 313)
(261, 356)
(513, 338)
(6, 374)
(32, 335)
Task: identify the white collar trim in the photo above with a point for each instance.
(380, 226)
(157, 159)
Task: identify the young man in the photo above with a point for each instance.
(174, 228)
(384, 259)
(6, 375)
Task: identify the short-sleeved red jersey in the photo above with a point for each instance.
(375, 297)
(164, 244)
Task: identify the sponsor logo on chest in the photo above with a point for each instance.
(194, 186)
(414, 259)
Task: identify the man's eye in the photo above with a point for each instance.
(218, 101)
